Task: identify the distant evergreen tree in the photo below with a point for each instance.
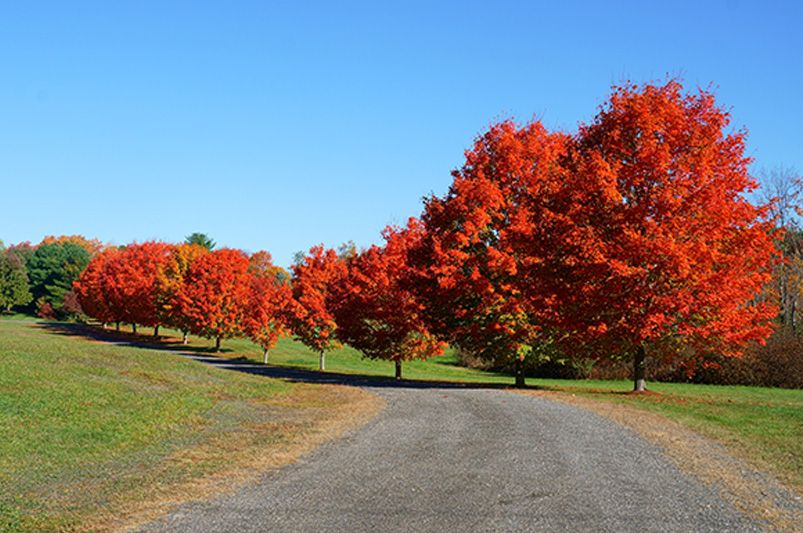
(201, 239)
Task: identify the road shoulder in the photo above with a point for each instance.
(756, 493)
(340, 410)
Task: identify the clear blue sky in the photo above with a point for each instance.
(281, 125)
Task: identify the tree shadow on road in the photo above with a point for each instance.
(243, 364)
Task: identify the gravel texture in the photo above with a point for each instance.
(468, 459)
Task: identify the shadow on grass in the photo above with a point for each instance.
(243, 364)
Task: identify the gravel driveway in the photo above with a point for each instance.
(470, 459)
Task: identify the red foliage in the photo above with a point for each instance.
(467, 264)
(311, 316)
(91, 287)
(663, 248)
(171, 280)
(265, 309)
(210, 298)
(132, 285)
(45, 311)
(71, 306)
(633, 233)
(374, 312)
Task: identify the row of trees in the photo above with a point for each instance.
(212, 293)
(632, 237)
(353, 298)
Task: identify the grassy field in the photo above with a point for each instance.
(92, 433)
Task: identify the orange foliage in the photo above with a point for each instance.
(93, 246)
(311, 315)
(266, 306)
(375, 313)
(210, 298)
(132, 282)
(171, 279)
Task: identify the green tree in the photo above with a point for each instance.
(23, 250)
(53, 268)
(14, 288)
(201, 239)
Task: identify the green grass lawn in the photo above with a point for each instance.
(89, 428)
(15, 316)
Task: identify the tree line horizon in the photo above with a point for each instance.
(631, 238)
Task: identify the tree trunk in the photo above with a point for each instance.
(117, 327)
(265, 354)
(156, 331)
(639, 379)
(184, 338)
(134, 329)
(322, 361)
(217, 344)
(519, 370)
(398, 369)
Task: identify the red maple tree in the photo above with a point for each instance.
(170, 283)
(665, 255)
(132, 283)
(467, 262)
(90, 288)
(311, 316)
(212, 294)
(265, 308)
(375, 313)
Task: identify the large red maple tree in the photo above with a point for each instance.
(131, 281)
(665, 255)
(631, 238)
(466, 264)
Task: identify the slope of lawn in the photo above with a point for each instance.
(91, 432)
